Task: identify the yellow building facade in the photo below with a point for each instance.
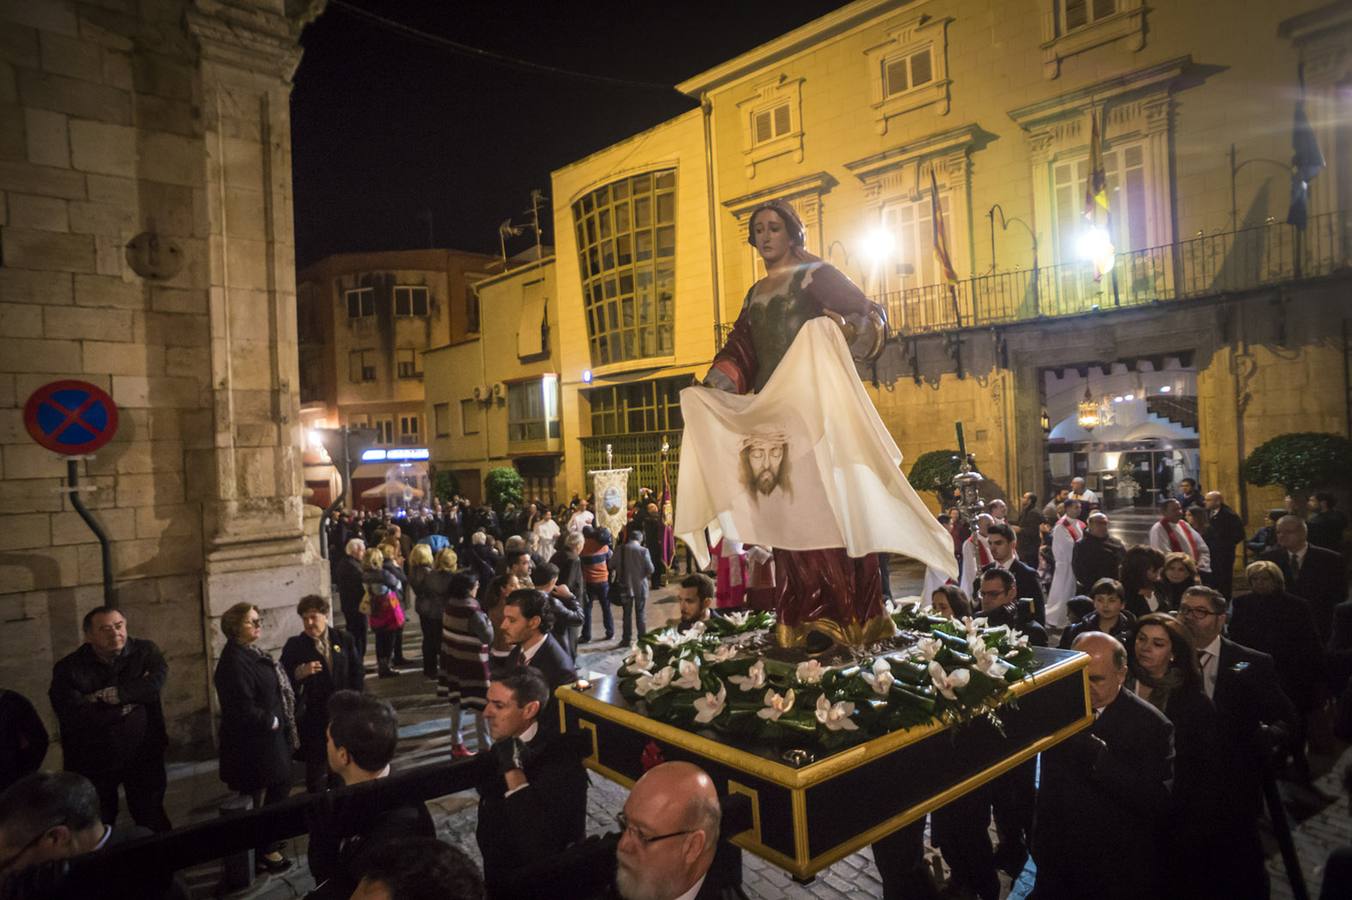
(493, 396)
(1217, 327)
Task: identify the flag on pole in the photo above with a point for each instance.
(668, 520)
(1306, 161)
(941, 254)
(1098, 239)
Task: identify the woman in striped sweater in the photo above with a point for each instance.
(466, 634)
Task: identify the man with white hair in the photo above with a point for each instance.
(1317, 574)
(350, 592)
(669, 835)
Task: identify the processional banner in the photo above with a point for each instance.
(610, 487)
(805, 464)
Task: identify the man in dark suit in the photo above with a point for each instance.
(1000, 539)
(1112, 779)
(1224, 532)
(1317, 574)
(319, 661)
(1256, 721)
(527, 619)
(1096, 555)
(351, 590)
(363, 732)
(535, 802)
(669, 836)
(107, 699)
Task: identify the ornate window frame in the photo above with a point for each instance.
(905, 39)
(1136, 105)
(1127, 24)
(768, 95)
(901, 173)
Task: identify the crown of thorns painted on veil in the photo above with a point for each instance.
(763, 437)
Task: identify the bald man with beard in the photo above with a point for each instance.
(670, 835)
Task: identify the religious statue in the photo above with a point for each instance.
(784, 449)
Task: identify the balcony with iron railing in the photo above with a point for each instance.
(1194, 269)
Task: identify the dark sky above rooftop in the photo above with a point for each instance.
(388, 128)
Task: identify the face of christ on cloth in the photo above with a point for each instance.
(765, 464)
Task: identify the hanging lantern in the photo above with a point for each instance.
(1088, 416)
(1045, 420)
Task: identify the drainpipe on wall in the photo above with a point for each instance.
(707, 107)
(1240, 352)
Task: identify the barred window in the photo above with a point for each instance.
(626, 238)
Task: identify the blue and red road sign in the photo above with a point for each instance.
(71, 417)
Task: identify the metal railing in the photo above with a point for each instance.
(1207, 265)
(641, 452)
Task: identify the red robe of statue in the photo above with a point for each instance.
(809, 584)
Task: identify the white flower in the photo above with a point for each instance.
(776, 705)
(929, 647)
(948, 682)
(835, 716)
(689, 679)
(736, 619)
(973, 626)
(710, 705)
(986, 660)
(901, 604)
(753, 680)
(721, 653)
(1017, 642)
(693, 633)
(639, 662)
(668, 637)
(881, 678)
(809, 672)
(646, 684)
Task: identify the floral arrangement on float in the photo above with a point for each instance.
(724, 675)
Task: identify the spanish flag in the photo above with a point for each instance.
(1096, 188)
(941, 254)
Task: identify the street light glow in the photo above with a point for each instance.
(877, 245)
(1094, 245)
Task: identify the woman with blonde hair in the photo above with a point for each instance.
(258, 720)
(382, 602)
(430, 581)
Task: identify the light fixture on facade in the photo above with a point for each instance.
(1045, 420)
(1087, 413)
(1164, 389)
(1096, 246)
(1129, 397)
(586, 376)
(878, 245)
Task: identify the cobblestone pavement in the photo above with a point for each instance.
(195, 794)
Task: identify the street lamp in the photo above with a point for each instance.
(1032, 236)
(1095, 245)
(1235, 166)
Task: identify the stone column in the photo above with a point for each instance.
(254, 543)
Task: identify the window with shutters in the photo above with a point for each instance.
(533, 410)
(1079, 13)
(410, 301)
(909, 70)
(772, 122)
(408, 362)
(471, 417)
(1076, 26)
(361, 366)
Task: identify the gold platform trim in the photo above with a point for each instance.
(779, 773)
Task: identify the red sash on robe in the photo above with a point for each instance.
(1175, 544)
(1074, 526)
(983, 553)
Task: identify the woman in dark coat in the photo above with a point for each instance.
(320, 661)
(1163, 671)
(258, 726)
(431, 586)
(1029, 539)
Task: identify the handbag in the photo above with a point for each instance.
(364, 607)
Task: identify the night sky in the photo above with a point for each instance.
(387, 127)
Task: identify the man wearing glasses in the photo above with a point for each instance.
(1256, 721)
(535, 802)
(668, 836)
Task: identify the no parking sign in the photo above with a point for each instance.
(70, 417)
